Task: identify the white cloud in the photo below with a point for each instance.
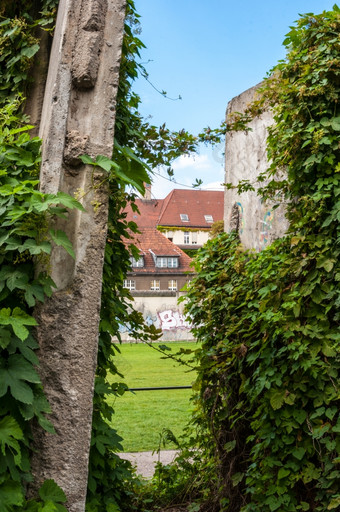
(197, 163)
(214, 185)
(187, 169)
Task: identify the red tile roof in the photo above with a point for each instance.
(149, 241)
(166, 212)
(149, 213)
(196, 204)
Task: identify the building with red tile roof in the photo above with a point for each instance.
(161, 266)
(184, 216)
(180, 221)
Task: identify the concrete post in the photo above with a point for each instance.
(78, 117)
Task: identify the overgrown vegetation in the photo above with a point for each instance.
(267, 406)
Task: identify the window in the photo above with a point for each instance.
(172, 262)
(209, 218)
(130, 284)
(163, 262)
(194, 237)
(172, 285)
(155, 284)
(137, 263)
(186, 237)
(184, 217)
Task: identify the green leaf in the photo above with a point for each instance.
(105, 163)
(50, 490)
(328, 351)
(325, 263)
(334, 503)
(69, 201)
(335, 123)
(10, 433)
(30, 51)
(283, 472)
(277, 399)
(86, 159)
(228, 447)
(60, 238)
(10, 495)
(17, 319)
(14, 374)
(299, 452)
(34, 247)
(5, 337)
(49, 506)
(299, 415)
(237, 478)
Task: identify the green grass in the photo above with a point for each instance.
(141, 416)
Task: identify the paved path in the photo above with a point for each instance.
(145, 461)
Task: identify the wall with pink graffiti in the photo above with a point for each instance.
(258, 223)
(165, 314)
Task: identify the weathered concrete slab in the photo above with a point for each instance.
(78, 117)
(256, 221)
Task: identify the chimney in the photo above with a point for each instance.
(147, 195)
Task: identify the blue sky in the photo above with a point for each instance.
(208, 52)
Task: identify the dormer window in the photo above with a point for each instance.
(167, 262)
(137, 263)
(209, 218)
(184, 217)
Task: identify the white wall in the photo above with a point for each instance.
(178, 236)
(164, 313)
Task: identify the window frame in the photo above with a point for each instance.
(130, 287)
(154, 286)
(172, 287)
(184, 217)
(137, 263)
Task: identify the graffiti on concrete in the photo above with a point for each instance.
(241, 218)
(266, 227)
(170, 319)
(151, 319)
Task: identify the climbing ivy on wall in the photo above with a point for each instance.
(269, 367)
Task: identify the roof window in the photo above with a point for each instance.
(209, 218)
(184, 217)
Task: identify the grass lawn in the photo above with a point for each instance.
(141, 416)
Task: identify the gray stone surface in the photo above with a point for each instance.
(75, 118)
(257, 223)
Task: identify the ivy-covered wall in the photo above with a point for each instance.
(267, 404)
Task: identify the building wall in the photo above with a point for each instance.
(246, 157)
(177, 236)
(143, 282)
(162, 310)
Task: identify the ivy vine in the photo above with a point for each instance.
(269, 367)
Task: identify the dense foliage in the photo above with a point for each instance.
(268, 403)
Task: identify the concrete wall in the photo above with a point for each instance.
(246, 157)
(162, 310)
